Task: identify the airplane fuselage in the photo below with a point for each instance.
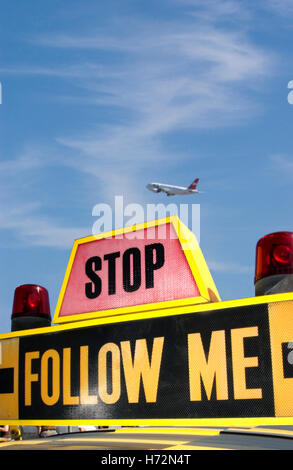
(169, 189)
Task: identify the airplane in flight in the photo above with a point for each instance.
(171, 190)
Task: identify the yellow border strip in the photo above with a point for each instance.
(226, 422)
(194, 257)
(189, 309)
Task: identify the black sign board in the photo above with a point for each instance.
(211, 363)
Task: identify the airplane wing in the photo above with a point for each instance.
(166, 191)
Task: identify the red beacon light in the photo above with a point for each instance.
(31, 308)
(274, 264)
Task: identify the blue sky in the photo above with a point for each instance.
(100, 98)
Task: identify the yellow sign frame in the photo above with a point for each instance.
(194, 257)
(277, 302)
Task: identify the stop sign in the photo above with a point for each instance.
(149, 266)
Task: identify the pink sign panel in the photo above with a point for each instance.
(137, 268)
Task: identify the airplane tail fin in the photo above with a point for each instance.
(194, 184)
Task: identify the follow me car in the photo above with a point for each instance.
(142, 345)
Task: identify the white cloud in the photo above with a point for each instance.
(181, 76)
(282, 163)
(166, 76)
(281, 7)
(29, 226)
(231, 268)
(215, 8)
(28, 160)
(24, 217)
